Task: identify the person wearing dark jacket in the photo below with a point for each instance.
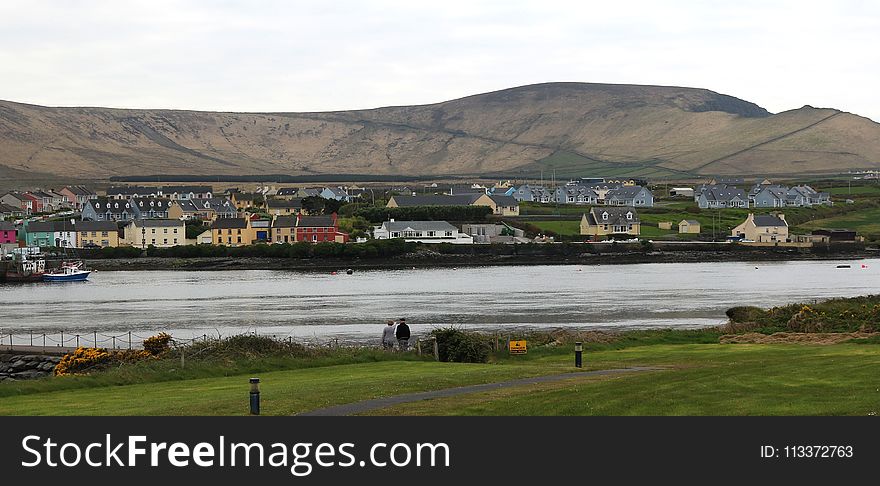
(402, 335)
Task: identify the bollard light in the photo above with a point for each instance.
(255, 396)
(578, 353)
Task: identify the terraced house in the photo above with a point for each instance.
(105, 209)
(151, 207)
(202, 209)
(233, 232)
(92, 234)
(319, 229)
(161, 233)
(720, 196)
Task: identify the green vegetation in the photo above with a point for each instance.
(833, 315)
(696, 376)
(866, 223)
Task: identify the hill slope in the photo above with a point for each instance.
(576, 128)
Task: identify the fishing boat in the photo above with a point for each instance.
(69, 272)
(26, 265)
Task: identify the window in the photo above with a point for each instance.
(103, 233)
(165, 241)
(314, 237)
(175, 241)
(165, 231)
(153, 231)
(175, 231)
(238, 239)
(449, 233)
(154, 241)
(605, 216)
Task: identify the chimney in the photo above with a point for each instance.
(391, 220)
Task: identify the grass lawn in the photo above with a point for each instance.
(866, 222)
(567, 227)
(699, 377)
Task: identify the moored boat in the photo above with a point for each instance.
(69, 272)
(26, 265)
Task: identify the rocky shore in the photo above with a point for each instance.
(429, 260)
(26, 366)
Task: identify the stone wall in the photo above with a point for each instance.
(26, 366)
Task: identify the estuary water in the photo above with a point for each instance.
(321, 306)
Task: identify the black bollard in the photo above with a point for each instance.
(578, 352)
(255, 396)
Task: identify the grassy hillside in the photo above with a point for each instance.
(575, 128)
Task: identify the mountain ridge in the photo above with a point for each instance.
(574, 128)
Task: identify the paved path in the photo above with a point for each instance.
(378, 403)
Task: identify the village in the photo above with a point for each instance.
(614, 209)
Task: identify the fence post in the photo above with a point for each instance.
(129, 340)
(182, 358)
(419, 347)
(77, 340)
(96, 339)
(32, 338)
(44, 339)
(62, 339)
(436, 349)
(114, 342)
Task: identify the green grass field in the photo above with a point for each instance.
(699, 377)
(865, 222)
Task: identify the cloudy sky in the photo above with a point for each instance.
(328, 55)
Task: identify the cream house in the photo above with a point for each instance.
(161, 233)
(606, 221)
(689, 226)
(501, 205)
(763, 228)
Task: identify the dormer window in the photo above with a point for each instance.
(116, 205)
(605, 216)
(629, 215)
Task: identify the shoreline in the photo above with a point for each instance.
(445, 261)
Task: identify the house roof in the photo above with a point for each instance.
(418, 226)
(157, 223)
(315, 222)
(154, 203)
(284, 222)
(287, 191)
(722, 192)
(616, 215)
(7, 208)
(230, 223)
(103, 205)
(40, 227)
(284, 203)
(436, 200)
(623, 192)
(186, 189)
(502, 200)
(96, 226)
(769, 220)
(206, 204)
(20, 197)
(690, 222)
(6, 226)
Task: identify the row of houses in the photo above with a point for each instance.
(762, 195)
(585, 193)
(501, 205)
(25, 203)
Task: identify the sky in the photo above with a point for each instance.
(337, 55)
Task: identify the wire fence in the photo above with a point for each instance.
(122, 341)
(76, 339)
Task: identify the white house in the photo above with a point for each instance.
(422, 232)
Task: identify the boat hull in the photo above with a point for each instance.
(73, 277)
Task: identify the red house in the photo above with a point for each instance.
(8, 234)
(36, 202)
(317, 229)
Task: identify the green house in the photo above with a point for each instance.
(40, 233)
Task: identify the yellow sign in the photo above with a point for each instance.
(517, 347)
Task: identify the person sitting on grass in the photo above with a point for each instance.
(402, 334)
(388, 336)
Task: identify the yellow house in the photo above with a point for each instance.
(90, 234)
(284, 207)
(233, 232)
(243, 200)
(605, 221)
(161, 233)
(689, 226)
(501, 205)
(284, 229)
(763, 228)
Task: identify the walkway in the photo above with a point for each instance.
(379, 403)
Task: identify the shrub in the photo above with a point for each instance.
(84, 360)
(745, 313)
(158, 345)
(455, 345)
